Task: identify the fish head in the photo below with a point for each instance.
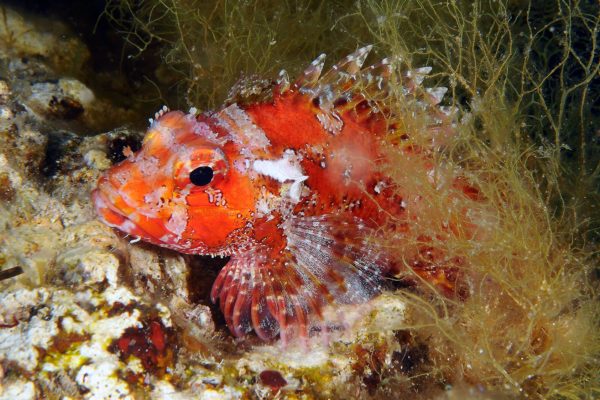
(180, 190)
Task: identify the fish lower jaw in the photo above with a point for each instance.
(213, 253)
(114, 218)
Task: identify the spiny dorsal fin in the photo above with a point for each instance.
(348, 87)
(418, 75)
(346, 76)
(348, 67)
(378, 74)
(345, 81)
(310, 76)
(436, 94)
(159, 114)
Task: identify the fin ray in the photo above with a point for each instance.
(329, 261)
(311, 74)
(348, 67)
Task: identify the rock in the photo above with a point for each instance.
(62, 100)
(84, 266)
(28, 36)
(18, 389)
(97, 159)
(31, 327)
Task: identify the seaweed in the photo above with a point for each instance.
(530, 323)
(206, 47)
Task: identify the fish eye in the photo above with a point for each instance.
(201, 176)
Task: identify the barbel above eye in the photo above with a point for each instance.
(201, 176)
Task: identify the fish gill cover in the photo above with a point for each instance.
(523, 79)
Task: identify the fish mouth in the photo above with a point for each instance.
(111, 215)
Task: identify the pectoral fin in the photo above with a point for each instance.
(328, 261)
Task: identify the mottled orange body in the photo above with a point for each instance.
(291, 189)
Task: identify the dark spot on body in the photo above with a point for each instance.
(363, 106)
(340, 101)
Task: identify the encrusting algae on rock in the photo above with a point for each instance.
(484, 282)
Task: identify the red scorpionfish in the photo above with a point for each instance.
(290, 189)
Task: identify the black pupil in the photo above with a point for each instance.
(201, 176)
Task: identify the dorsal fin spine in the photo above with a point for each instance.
(310, 76)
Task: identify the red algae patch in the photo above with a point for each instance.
(272, 379)
(152, 343)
